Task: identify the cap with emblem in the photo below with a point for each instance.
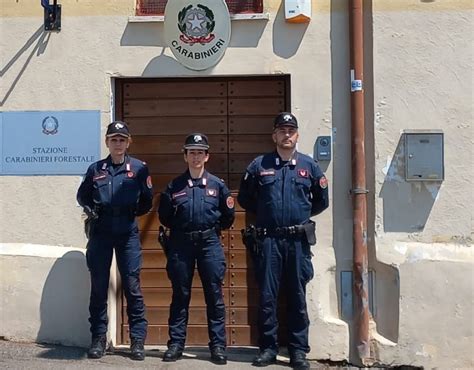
(285, 119)
(117, 128)
(196, 141)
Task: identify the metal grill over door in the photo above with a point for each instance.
(237, 114)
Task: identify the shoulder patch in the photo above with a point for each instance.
(323, 182)
(230, 202)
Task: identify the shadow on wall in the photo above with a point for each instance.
(406, 205)
(163, 62)
(244, 34)
(41, 38)
(64, 303)
(287, 37)
(143, 34)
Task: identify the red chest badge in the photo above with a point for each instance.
(303, 173)
(130, 174)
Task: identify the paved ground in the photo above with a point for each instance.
(44, 356)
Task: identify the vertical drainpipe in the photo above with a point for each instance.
(359, 191)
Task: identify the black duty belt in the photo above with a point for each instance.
(284, 231)
(116, 211)
(200, 234)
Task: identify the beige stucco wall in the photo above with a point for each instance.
(422, 70)
(420, 77)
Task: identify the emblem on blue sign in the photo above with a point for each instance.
(50, 125)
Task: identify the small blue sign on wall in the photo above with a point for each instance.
(49, 142)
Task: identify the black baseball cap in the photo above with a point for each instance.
(118, 128)
(285, 119)
(196, 141)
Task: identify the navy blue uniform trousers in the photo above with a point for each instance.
(287, 261)
(129, 260)
(210, 259)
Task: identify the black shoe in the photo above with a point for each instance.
(137, 350)
(264, 358)
(218, 356)
(172, 354)
(298, 361)
(98, 347)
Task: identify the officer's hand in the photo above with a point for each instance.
(91, 213)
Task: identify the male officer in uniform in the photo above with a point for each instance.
(284, 188)
(114, 191)
(196, 206)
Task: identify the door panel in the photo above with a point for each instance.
(178, 107)
(236, 113)
(172, 144)
(156, 125)
(169, 90)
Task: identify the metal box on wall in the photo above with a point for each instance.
(424, 155)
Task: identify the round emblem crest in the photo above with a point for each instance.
(196, 24)
(50, 125)
(197, 31)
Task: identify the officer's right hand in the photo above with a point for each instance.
(91, 213)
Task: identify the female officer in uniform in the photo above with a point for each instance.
(115, 190)
(196, 206)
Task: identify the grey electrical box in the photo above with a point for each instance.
(424, 155)
(323, 148)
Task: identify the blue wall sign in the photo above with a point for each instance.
(49, 142)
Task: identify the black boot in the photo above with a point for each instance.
(173, 353)
(218, 356)
(137, 350)
(264, 358)
(98, 347)
(298, 361)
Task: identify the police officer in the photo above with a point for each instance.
(284, 188)
(196, 206)
(116, 190)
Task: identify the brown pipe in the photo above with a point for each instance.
(359, 192)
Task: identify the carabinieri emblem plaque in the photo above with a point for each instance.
(198, 32)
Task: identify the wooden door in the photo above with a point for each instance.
(236, 113)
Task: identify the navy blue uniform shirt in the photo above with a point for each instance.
(118, 193)
(196, 204)
(283, 193)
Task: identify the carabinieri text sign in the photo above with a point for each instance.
(49, 142)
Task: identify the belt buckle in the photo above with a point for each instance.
(291, 230)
